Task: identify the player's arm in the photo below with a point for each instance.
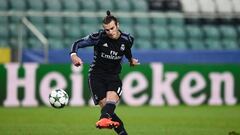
(128, 53)
(134, 62)
(77, 61)
(89, 40)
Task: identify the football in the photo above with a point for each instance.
(58, 98)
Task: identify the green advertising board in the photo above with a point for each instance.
(153, 84)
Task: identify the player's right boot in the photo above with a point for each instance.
(107, 123)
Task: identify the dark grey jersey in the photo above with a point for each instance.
(108, 53)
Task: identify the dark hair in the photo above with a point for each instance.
(107, 19)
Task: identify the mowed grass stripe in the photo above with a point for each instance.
(144, 120)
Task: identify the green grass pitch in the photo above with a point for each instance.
(145, 120)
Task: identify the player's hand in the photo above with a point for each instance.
(134, 62)
(76, 60)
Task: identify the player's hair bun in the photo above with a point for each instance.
(108, 13)
(108, 18)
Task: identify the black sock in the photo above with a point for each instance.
(108, 110)
(120, 129)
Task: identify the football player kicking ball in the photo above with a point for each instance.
(110, 45)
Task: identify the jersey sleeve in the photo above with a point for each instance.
(89, 40)
(128, 52)
(131, 40)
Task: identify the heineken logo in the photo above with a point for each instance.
(155, 84)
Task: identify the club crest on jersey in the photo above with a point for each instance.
(122, 48)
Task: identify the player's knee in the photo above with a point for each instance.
(112, 96)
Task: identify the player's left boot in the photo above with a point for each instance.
(107, 123)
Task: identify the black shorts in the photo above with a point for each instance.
(100, 84)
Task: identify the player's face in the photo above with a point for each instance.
(112, 30)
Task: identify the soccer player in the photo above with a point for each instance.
(110, 45)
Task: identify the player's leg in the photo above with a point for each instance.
(108, 109)
(116, 84)
(98, 90)
(114, 118)
(114, 91)
(120, 129)
(108, 106)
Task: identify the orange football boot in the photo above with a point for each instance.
(107, 123)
